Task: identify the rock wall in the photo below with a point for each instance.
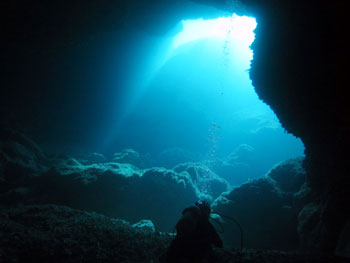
(299, 69)
(208, 183)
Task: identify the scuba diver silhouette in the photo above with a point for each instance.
(195, 236)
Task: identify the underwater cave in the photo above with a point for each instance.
(115, 117)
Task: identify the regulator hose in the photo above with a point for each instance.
(217, 221)
(237, 224)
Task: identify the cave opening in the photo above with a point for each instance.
(195, 102)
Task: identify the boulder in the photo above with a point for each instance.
(145, 225)
(265, 209)
(289, 175)
(209, 185)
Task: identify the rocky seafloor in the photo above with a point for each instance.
(50, 233)
(61, 209)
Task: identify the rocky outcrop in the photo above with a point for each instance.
(209, 185)
(289, 175)
(115, 189)
(131, 156)
(145, 225)
(265, 208)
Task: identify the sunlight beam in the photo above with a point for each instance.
(234, 27)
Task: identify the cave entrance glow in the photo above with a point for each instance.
(196, 103)
(227, 28)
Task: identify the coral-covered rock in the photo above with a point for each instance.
(145, 225)
(120, 190)
(115, 189)
(131, 156)
(206, 181)
(289, 175)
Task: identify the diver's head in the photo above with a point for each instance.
(204, 206)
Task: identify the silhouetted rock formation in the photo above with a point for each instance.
(209, 185)
(265, 208)
(289, 175)
(115, 189)
(132, 157)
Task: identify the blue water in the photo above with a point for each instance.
(191, 96)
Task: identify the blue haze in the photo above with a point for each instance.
(197, 98)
